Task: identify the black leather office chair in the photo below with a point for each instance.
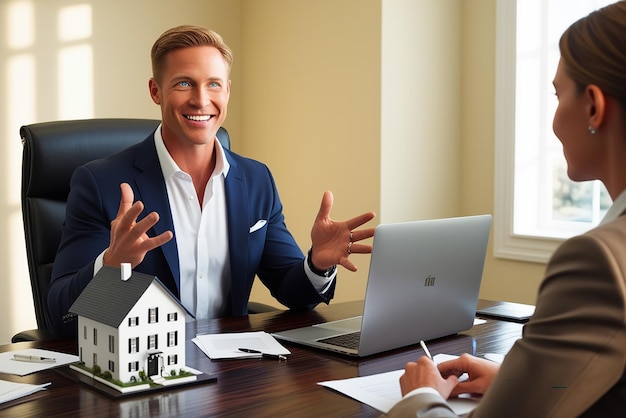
(52, 150)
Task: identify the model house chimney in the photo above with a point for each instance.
(125, 271)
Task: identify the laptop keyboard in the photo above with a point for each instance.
(350, 340)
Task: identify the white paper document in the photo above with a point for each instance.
(11, 390)
(9, 365)
(227, 345)
(382, 391)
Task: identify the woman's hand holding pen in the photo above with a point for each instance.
(481, 373)
(424, 373)
(444, 377)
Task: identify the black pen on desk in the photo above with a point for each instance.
(263, 355)
(423, 344)
(33, 359)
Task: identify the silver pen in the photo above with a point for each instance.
(423, 344)
(33, 359)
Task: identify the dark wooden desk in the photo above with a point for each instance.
(250, 387)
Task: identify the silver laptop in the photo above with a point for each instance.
(423, 283)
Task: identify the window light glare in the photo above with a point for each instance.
(74, 23)
(75, 82)
(20, 91)
(20, 24)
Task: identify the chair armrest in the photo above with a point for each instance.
(258, 307)
(33, 335)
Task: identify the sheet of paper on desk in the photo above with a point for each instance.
(22, 368)
(10, 391)
(226, 345)
(382, 391)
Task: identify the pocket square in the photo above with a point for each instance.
(258, 225)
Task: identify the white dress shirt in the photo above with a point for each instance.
(203, 254)
(616, 208)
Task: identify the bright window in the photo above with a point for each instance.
(537, 206)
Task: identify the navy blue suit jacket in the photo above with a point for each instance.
(270, 252)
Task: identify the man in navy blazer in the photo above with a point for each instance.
(154, 204)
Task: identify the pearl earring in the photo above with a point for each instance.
(592, 130)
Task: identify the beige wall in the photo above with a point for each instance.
(502, 279)
(420, 110)
(388, 103)
(311, 110)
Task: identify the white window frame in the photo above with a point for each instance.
(172, 339)
(153, 343)
(153, 315)
(133, 345)
(508, 244)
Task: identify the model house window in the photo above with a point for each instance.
(536, 205)
(171, 317)
(172, 359)
(133, 345)
(95, 358)
(111, 366)
(133, 321)
(153, 342)
(84, 332)
(111, 344)
(172, 339)
(153, 315)
(133, 366)
(95, 336)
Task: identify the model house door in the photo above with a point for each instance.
(153, 365)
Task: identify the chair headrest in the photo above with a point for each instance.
(53, 150)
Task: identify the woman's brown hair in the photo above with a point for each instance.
(593, 50)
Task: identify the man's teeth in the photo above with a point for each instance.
(198, 118)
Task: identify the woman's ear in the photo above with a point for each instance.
(597, 105)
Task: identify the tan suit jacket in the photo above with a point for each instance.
(571, 360)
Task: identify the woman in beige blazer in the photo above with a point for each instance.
(571, 360)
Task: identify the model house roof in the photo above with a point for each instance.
(108, 299)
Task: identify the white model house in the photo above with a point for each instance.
(130, 326)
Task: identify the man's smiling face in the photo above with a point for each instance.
(193, 95)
